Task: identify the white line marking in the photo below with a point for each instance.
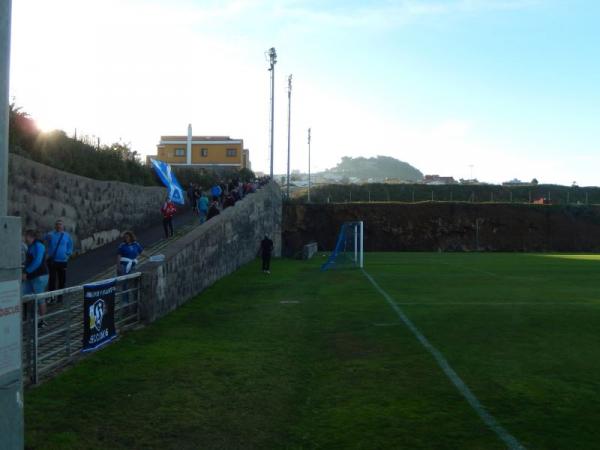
(487, 418)
(566, 303)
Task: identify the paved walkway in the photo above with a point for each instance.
(101, 260)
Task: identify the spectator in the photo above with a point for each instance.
(168, 210)
(35, 273)
(266, 247)
(197, 195)
(190, 194)
(60, 248)
(229, 201)
(128, 253)
(216, 191)
(213, 210)
(203, 207)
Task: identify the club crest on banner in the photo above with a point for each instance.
(97, 314)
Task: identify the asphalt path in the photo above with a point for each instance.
(86, 266)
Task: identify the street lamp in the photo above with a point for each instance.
(272, 62)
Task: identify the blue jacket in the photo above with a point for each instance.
(65, 248)
(34, 264)
(203, 203)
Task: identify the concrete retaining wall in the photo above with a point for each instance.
(95, 212)
(217, 248)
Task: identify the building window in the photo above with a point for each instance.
(180, 152)
(231, 152)
(204, 152)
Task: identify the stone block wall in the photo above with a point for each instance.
(446, 226)
(95, 212)
(211, 251)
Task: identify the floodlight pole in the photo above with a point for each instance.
(289, 131)
(11, 370)
(362, 241)
(309, 165)
(272, 62)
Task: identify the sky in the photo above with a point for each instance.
(499, 89)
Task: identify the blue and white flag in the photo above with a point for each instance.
(168, 178)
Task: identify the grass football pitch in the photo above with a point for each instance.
(323, 360)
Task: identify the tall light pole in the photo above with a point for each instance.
(5, 16)
(11, 371)
(289, 131)
(309, 165)
(272, 62)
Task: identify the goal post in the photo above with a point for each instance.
(349, 247)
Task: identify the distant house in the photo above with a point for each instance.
(209, 152)
(473, 181)
(437, 180)
(516, 182)
(541, 201)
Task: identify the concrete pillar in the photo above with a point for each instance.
(11, 371)
(189, 145)
(5, 16)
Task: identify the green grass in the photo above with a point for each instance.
(333, 367)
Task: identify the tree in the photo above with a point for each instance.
(114, 162)
(246, 175)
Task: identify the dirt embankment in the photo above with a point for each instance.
(447, 226)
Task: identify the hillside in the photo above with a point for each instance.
(376, 169)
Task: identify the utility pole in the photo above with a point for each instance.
(272, 62)
(309, 165)
(11, 371)
(289, 131)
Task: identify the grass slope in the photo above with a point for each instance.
(332, 367)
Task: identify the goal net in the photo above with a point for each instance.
(348, 251)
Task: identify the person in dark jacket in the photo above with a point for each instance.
(60, 248)
(266, 248)
(213, 210)
(35, 272)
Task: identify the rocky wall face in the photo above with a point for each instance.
(211, 251)
(447, 226)
(94, 212)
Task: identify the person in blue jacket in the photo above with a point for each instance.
(216, 192)
(35, 272)
(60, 248)
(128, 253)
(202, 207)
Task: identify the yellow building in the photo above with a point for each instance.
(210, 152)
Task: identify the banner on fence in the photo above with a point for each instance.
(98, 314)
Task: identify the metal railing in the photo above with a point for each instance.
(55, 339)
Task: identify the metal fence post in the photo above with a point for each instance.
(67, 300)
(34, 362)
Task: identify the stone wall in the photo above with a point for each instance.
(211, 251)
(447, 226)
(95, 212)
